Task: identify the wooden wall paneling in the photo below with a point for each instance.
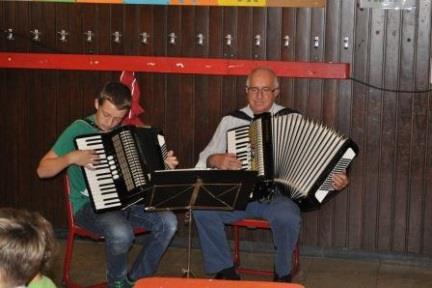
(259, 33)
(373, 128)
(245, 34)
(118, 24)
(427, 227)
(3, 27)
(68, 92)
(103, 29)
(89, 82)
(208, 102)
(314, 106)
(336, 93)
(425, 32)
(289, 35)
(3, 93)
(301, 91)
(421, 45)
(10, 105)
(386, 215)
(202, 89)
(131, 30)
(42, 111)
(331, 53)
(89, 18)
(13, 18)
(106, 27)
(323, 98)
(68, 82)
(149, 99)
(229, 90)
(317, 98)
(359, 92)
(145, 80)
(104, 39)
(304, 44)
(344, 115)
(154, 93)
(404, 135)
(186, 92)
(346, 26)
(273, 32)
(173, 95)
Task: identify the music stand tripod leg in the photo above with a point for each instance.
(188, 272)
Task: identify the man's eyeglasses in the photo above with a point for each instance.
(263, 90)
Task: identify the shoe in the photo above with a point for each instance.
(286, 278)
(227, 274)
(124, 283)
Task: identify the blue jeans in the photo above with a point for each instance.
(283, 215)
(117, 228)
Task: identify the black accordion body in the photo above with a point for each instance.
(127, 155)
(296, 154)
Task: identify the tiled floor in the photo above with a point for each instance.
(315, 272)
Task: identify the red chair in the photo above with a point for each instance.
(73, 231)
(258, 224)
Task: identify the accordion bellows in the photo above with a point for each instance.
(299, 154)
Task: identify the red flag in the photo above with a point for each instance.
(128, 78)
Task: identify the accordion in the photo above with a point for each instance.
(298, 155)
(127, 156)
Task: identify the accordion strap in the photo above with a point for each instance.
(242, 115)
(91, 123)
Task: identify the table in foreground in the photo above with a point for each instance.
(169, 282)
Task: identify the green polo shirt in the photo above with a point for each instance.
(65, 144)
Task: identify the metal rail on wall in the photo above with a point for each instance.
(180, 65)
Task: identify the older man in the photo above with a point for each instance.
(262, 89)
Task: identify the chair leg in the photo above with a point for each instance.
(236, 258)
(68, 258)
(236, 237)
(296, 260)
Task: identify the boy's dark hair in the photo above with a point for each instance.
(117, 93)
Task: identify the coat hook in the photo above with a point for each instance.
(229, 39)
(89, 36)
(36, 34)
(316, 42)
(257, 40)
(200, 39)
(117, 35)
(63, 33)
(144, 37)
(286, 39)
(172, 38)
(9, 34)
(346, 42)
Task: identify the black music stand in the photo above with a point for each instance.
(199, 189)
